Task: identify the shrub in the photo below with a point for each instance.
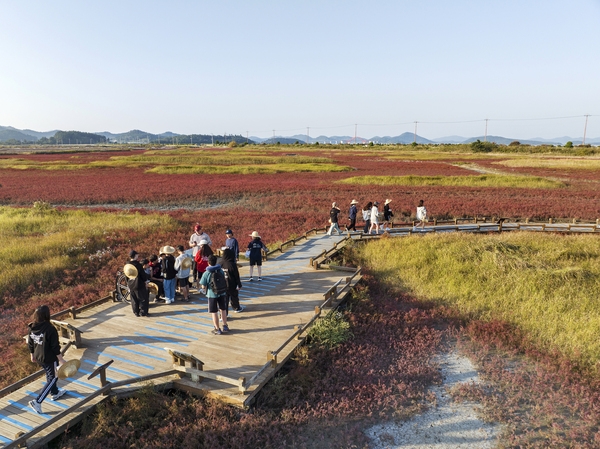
(331, 331)
(569, 144)
(483, 147)
(514, 143)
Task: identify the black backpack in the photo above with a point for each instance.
(218, 283)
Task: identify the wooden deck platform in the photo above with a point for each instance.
(286, 297)
(236, 365)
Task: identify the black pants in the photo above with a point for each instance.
(51, 379)
(139, 301)
(367, 226)
(352, 225)
(234, 298)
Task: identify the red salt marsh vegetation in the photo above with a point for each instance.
(326, 397)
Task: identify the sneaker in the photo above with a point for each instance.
(57, 396)
(260, 279)
(250, 279)
(35, 406)
(240, 309)
(216, 331)
(225, 328)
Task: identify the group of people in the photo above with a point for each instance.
(197, 266)
(374, 220)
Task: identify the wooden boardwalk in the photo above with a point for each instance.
(286, 297)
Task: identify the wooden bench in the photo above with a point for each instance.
(68, 333)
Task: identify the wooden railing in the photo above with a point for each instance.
(330, 295)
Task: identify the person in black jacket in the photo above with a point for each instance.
(138, 287)
(169, 273)
(234, 282)
(44, 348)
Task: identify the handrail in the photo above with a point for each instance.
(102, 391)
(298, 330)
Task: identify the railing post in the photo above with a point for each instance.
(550, 220)
(102, 371)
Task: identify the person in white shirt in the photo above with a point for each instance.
(195, 240)
(421, 215)
(375, 218)
(183, 265)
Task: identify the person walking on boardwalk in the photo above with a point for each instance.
(169, 273)
(183, 265)
(366, 212)
(255, 249)
(333, 219)
(387, 215)
(421, 215)
(195, 239)
(352, 213)
(375, 218)
(213, 283)
(232, 275)
(232, 244)
(137, 281)
(44, 348)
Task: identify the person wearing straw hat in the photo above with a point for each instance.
(44, 348)
(183, 265)
(137, 281)
(169, 273)
(333, 219)
(387, 215)
(352, 216)
(256, 247)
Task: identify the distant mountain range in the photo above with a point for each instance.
(8, 133)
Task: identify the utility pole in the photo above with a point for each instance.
(246, 137)
(585, 128)
(308, 135)
(485, 135)
(415, 135)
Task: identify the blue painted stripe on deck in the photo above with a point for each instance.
(181, 327)
(164, 340)
(121, 359)
(5, 440)
(195, 309)
(170, 333)
(120, 348)
(26, 408)
(15, 422)
(191, 321)
(95, 365)
(79, 395)
(57, 403)
(160, 348)
(85, 384)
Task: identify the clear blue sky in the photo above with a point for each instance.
(241, 66)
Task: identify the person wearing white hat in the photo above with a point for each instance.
(255, 249)
(352, 216)
(333, 219)
(183, 265)
(387, 215)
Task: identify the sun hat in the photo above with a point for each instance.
(353, 202)
(255, 235)
(334, 204)
(167, 250)
(388, 201)
(68, 368)
(203, 242)
(186, 263)
(229, 231)
(152, 288)
(130, 271)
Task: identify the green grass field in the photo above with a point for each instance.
(501, 181)
(546, 285)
